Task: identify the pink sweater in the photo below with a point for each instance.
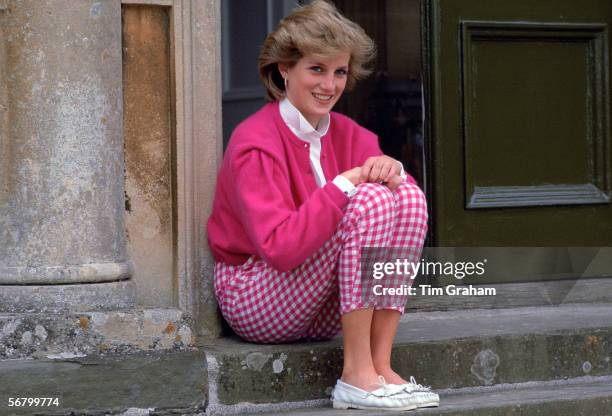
(267, 202)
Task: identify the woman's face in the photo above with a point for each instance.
(315, 83)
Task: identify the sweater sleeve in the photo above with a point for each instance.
(283, 235)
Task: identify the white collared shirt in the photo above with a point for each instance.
(298, 124)
(304, 131)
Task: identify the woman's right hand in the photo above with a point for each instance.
(353, 175)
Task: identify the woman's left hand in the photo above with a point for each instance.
(379, 169)
(394, 182)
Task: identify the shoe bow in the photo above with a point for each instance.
(414, 386)
(386, 389)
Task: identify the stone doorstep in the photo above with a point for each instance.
(457, 349)
(72, 335)
(582, 396)
(102, 360)
(514, 295)
(452, 349)
(166, 382)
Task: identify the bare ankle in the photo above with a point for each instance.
(390, 376)
(382, 367)
(365, 379)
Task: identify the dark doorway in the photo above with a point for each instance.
(389, 102)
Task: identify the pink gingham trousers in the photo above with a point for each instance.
(264, 305)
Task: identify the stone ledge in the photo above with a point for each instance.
(160, 382)
(442, 349)
(584, 396)
(73, 335)
(59, 298)
(66, 274)
(523, 294)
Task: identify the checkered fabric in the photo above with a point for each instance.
(264, 305)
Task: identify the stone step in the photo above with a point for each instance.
(453, 349)
(449, 350)
(106, 384)
(67, 334)
(100, 362)
(583, 396)
(514, 295)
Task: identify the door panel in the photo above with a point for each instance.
(518, 122)
(543, 75)
(517, 127)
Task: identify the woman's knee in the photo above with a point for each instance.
(374, 194)
(410, 197)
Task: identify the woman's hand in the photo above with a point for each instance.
(394, 182)
(353, 175)
(380, 169)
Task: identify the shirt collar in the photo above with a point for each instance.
(298, 123)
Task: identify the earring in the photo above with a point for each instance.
(286, 82)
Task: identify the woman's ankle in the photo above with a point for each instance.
(390, 376)
(364, 379)
(382, 367)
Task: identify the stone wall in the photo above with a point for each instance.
(63, 150)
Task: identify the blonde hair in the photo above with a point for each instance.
(317, 28)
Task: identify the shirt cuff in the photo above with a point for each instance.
(345, 185)
(403, 173)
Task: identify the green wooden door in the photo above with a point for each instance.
(517, 122)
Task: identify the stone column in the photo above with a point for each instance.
(62, 242)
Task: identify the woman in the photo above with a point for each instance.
(300, 191)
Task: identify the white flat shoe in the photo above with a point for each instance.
(424, 396)
(387, 397)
